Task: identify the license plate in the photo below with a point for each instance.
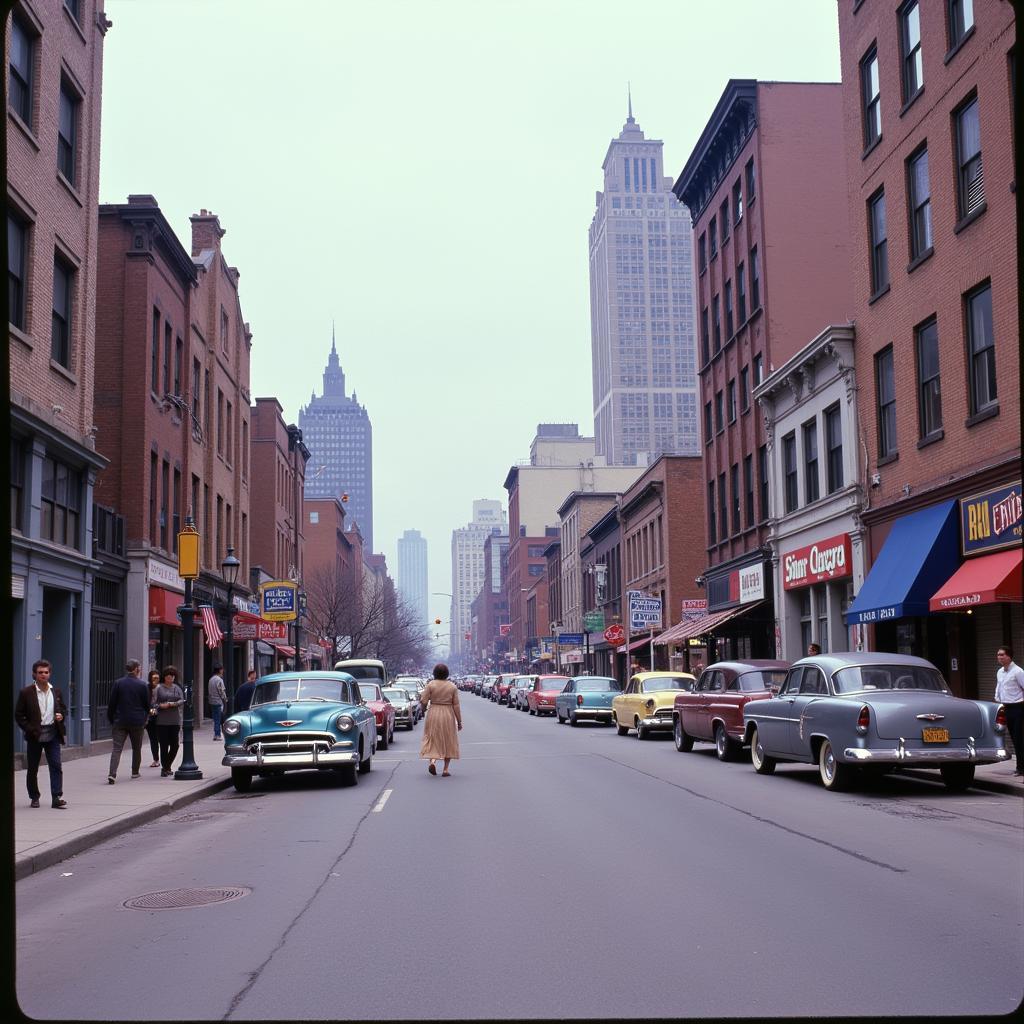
(935, 735)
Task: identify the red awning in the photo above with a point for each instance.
(987, 579)
(682, 631)
(286, 649)
(635, 645)
(163, 606)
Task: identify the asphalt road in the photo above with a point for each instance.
(559, 872)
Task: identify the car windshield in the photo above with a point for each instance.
(368, 691)
(395, 696)
(597, 684)
(751, 682)
(667, 683)
(296, 689)
(363, 671)
(889, 677)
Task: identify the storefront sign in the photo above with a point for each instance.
(991, 520)
(164, 575)
(751, 583)
(246, 629)
(644, 611)
(278, 601)
(593, 622)
(824, 560)
(693, 608)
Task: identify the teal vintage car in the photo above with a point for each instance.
(587, 698)
(301, 720)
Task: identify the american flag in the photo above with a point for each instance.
(210, 626)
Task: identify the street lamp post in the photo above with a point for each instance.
(229, 571)
(188, 570)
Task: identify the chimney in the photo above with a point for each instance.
(206, 231)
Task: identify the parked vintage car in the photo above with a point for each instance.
(873, 711)
(713, 710)
(518, 689)
(383, 712)
(364, 668)
(300, 720)
(540, 697)
(647, 702)
(404, 704)
(500, 692)
(587, 699)
(415, 685)
(488, 688)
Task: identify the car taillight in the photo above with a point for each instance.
(379, 715)
(1001, 719)
(863, 719)
(579, 700)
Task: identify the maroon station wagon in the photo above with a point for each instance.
(713, 712)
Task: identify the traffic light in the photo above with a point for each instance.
(437, 622)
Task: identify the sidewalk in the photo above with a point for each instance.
(96, 810)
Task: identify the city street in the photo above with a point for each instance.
(561, 872)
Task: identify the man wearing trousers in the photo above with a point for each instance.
(217, 695)
(1010, 693)
(128, 711)
(40, 715)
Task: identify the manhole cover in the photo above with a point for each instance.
(177, 899)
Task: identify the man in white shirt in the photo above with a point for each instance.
(40, 715)
(1010, 693)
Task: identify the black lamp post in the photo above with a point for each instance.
(229, 569)
(188, 570)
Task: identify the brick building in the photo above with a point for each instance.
(928, 115)
(490, 606)
(766, 185)
(54, 75)
(601, 572)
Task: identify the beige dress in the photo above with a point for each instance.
(440, 731)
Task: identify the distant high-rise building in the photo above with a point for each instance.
(337, 431)
(468, 569)
(412, 572)
(641, 308)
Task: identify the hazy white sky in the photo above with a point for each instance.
(423, 173)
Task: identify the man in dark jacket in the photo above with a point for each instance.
(243, 696)
(128, 711)
(40, 715)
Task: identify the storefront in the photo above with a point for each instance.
(740, 611)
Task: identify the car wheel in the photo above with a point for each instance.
(561, 720)
(763, 764)
(834, 775)
(412, 725)
(391, 735)
(573, 720)
(532, 712)
(241, 779)
(382, 743)
(348, 774)
(957, 776)
(620, 730)
(684, 741)
(641, 730)
(724, 746)
(365, 766)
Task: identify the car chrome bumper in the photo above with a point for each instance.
(657, 723)
(901, 754)
(312, 759)
(591, 712)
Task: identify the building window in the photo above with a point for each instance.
(960, 20)
(929, 399)
(723, 506)
(717, 323)
(734, 482)
(20, 77)
(805, 618)
(737, 201)
(74, 9)
(223, 329)
(17, 484)
(762, 470)
(728, 310)
(708, 432)
(789, 474)
(810, 439)
(245, 449)
(744, 388)
(741, 295)
(758, 369)
(730, 403)
(229, 444)
(167, 357)
(748, 487)
(751, 181)
(207, 405)
(713, 236)
(67, 131)
(152, 497)
(165, 494)
(196, 373)
(919, 199)
(178, 356)
(192, 512)
(821, 606)
(17, 271)
(870, 98)
(712, 535)
(910, 46)
(220, 422)
(885, 388)
(176, 519)
(719, 424)
(155, 357)
(834, 444)
(981, 349)
(705, 341)
(60, 334)
(755, 281)
(879, 243)
(702, 252)
(723, 221)
(60, 503)
(970, 180)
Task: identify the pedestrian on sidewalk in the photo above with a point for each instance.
(40, 715)
(243, 695)
(813, 649)
(444, 720)
(169, 700)
(1010, 693)
(153, 681)
(217, 695)
(128, 711)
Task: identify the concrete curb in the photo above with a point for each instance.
(48, 854)
(993, 785)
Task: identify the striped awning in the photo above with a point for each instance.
(682, 631)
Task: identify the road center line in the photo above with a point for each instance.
(383, 800)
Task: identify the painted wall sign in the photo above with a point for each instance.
(751, 582)
(693, 608)
(827, 559)
(991, 520)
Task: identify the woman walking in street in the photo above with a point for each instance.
(169, 700)
(154, 743)
(443, 722)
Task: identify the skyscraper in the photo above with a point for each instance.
(468, 569)
(336, 430)
(641, 308)
(412, 573)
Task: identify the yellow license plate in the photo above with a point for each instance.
(935, 735)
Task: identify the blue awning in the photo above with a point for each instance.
(921, 552)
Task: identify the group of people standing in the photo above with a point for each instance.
(153, 707)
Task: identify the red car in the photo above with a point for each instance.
(540, 699)
(500, 691)
(383, 711)
(713, 711)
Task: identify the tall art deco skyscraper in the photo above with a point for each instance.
(643, 333)
(336, 430)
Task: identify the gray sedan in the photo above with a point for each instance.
(874, 712)
(405, 707)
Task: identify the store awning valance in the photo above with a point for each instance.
(921, 551)
(635, 645)
(988, 579)
(683, 631)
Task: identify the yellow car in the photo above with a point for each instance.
(648, 701)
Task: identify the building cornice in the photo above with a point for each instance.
(150, 229)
